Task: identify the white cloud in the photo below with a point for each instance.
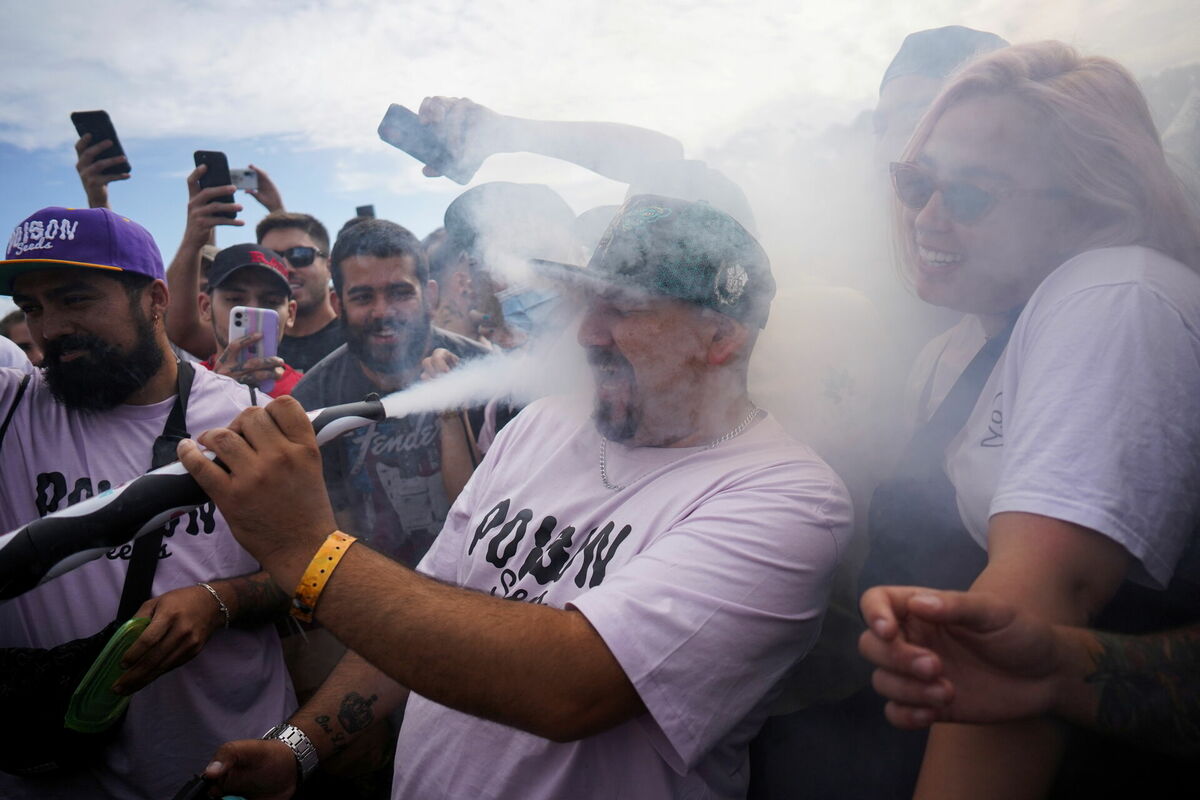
(324, 72)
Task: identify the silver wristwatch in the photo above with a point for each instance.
(301, 745)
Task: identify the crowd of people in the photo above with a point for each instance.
(623, 593)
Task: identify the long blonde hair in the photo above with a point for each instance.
(1101, 134)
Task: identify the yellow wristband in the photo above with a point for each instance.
(308, 591)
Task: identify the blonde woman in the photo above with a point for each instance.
(1035, 197)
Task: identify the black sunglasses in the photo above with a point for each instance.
(915, 185)
(301, 256)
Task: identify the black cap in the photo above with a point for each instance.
(231, 259)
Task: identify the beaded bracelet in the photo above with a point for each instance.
(308, 591)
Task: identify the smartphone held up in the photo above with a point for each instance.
(215, 174)
(246, 321)
(403, 129)
(98, 124)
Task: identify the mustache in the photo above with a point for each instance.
(603, 357)
(384, 325)
(55, 348)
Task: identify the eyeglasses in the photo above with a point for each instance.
(301, 256)
(964, 202)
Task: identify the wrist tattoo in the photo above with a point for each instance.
(1149, 688)
(259, 601)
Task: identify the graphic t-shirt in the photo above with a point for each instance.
(235, 688)
(1090, 414)
(384, 478)
(303, 352)
(706, 576)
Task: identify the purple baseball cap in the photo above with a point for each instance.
(94, 238)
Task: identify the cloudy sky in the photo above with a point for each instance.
(298, 87)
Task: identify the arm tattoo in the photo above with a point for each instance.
(1149, 688)
(259, 600)
(337, 737)
(355, 713)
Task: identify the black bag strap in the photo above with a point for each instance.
(13, 408)
(929, 443)
(144, 561)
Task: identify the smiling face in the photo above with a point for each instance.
(98, 341)
(386, 312)
(993, 264)
(310, 284)
(648, 356)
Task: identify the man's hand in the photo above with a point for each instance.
(469, 132)
(91, 171)
(252, 371)
(256, 769)
(957, 657)
(202, 210)
(181, 622)
(273, 495)
(439, 362)
(267, 192)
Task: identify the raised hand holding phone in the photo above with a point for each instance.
(101, 159)
(216, 174)
(251, 356)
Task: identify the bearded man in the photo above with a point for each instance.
(621, 588)
(92, 287)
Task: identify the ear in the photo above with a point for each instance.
(431, 295)
(460, 283)
(160, 298)
(291, 315)
(204, 300)
(335, 300)
(728, 342)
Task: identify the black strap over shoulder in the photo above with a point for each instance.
(144, 561)
(13, 408)
(929, 443)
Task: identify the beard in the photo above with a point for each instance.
(616, 413)
(105, 376)
(405, 353)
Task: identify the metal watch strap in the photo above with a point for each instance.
(301, 746)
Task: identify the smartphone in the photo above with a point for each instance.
(100, 127)
(403, 129)
(217, 174)
(365, 211)
(244, 321)
(244, 179)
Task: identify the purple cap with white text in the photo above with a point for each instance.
(90, 238)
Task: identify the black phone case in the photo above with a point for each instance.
(403, 129)
(217, 174)
(98, 124)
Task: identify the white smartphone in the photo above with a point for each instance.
(245, 321)
(244, 179)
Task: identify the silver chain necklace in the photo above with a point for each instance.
(733, 433)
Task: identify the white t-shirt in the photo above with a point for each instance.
(938, 366)
(1091, 414)
(11, 355)
(237, 687)
(706, 577)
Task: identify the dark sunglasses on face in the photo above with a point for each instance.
(915, 185)
(301, 256)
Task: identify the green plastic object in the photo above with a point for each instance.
(94, 707)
